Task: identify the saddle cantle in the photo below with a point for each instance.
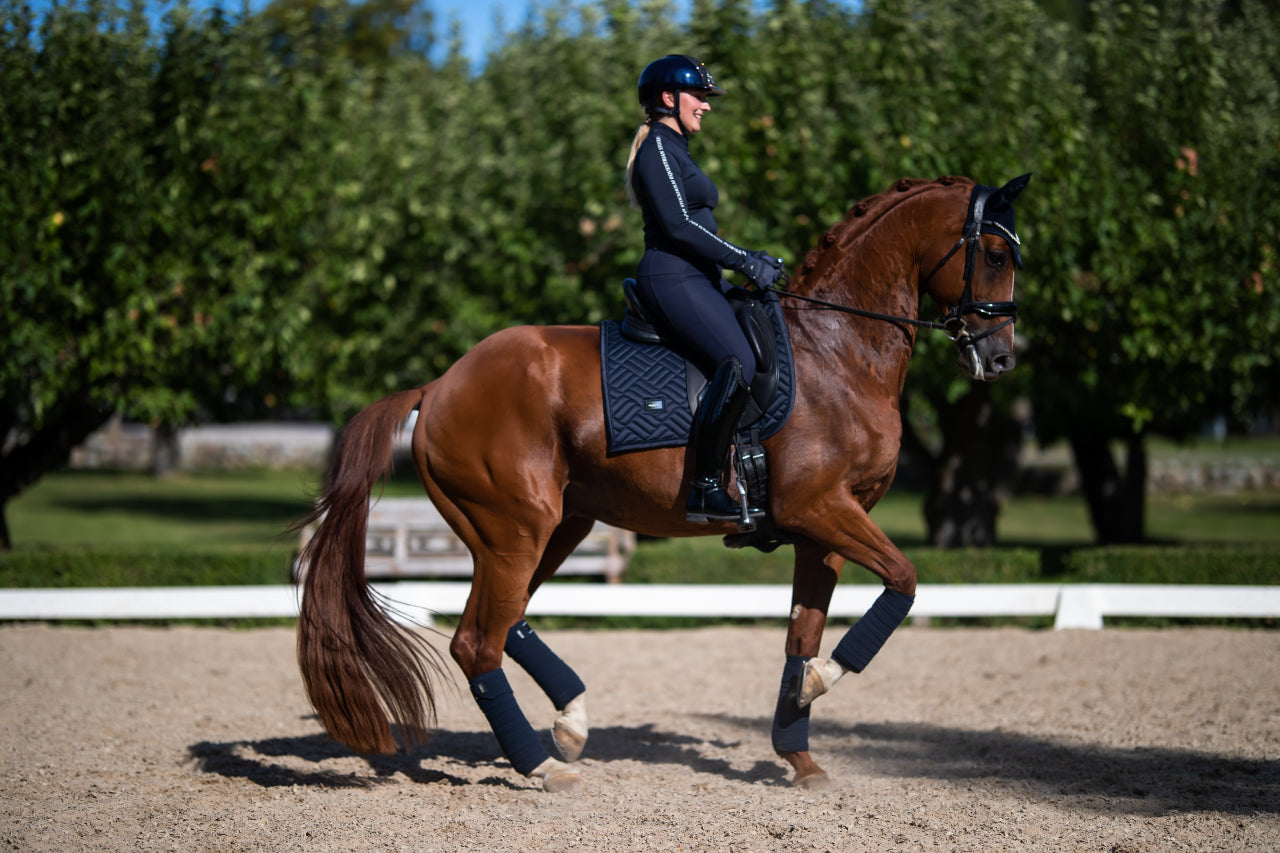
(651, 391)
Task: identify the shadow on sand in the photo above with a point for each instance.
(1122, 780)
(258, 761)
(1128, 780)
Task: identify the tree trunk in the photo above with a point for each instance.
(1117, 500)
(23, 463)
(968, 478)
(166, 453)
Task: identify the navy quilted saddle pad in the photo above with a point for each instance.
(650, 391)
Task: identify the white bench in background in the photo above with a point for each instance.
(407, 538)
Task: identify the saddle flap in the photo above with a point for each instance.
(758, 328)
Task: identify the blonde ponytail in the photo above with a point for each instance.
(642, 133)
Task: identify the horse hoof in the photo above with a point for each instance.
(562, 779)
(568, 742)
(558, 777)
(570, 729)
(819, 781)
(819, 677)
(809, 775)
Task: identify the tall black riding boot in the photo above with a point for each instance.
(713, 428)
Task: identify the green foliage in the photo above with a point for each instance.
(1161, 303)
(130, 567)
(695, 561)
(707, 561)
(1258, 565)
(977, 565)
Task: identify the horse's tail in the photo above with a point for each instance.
(362, 671)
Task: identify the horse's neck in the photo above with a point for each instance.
(832, 339)
(871, 262)
(828, 343)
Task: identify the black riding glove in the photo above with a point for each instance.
(763, 269)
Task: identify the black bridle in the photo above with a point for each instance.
(952, 322)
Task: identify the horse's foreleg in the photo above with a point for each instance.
(871, 548)
(813, 582)
(858, 646)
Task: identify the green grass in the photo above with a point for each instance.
(706, 560)
(251, 510)
(89, 528)
(77, 529)
(243, 511)
(1244, 517)
(1232, 448)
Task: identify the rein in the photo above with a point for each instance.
(953, 321)
(900, 322)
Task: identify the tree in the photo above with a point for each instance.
(1159, 307)
(300, 211)
(74, 120)
(161, 197)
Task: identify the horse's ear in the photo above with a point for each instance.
(1007, 193)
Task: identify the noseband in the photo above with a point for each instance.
(953, 322)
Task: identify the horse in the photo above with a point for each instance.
(510, 446)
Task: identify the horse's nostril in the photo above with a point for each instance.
(1003, 363)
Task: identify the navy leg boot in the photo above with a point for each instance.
(713, 429)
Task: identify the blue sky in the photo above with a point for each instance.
(476, 17)
(477, 20)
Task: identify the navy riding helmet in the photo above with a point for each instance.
(674, 73)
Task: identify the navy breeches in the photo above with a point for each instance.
(693, 306)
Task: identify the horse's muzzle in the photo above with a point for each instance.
(983, 366)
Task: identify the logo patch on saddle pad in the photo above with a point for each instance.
(650, 391)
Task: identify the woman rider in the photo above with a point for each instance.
(680, 272)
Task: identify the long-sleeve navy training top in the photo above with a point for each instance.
(678, 200)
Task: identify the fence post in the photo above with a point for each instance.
(1078, 608)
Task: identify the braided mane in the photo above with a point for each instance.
(860, 219)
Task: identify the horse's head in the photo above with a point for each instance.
(977, 297)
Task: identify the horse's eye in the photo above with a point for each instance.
(997, 258)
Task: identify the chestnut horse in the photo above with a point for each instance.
(510, 446)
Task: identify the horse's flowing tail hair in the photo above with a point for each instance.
(362, 671)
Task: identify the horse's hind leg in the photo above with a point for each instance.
(561, 684)
(512, 557)
(492, 609)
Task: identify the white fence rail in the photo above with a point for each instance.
(1071, 605)
(408, 538)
